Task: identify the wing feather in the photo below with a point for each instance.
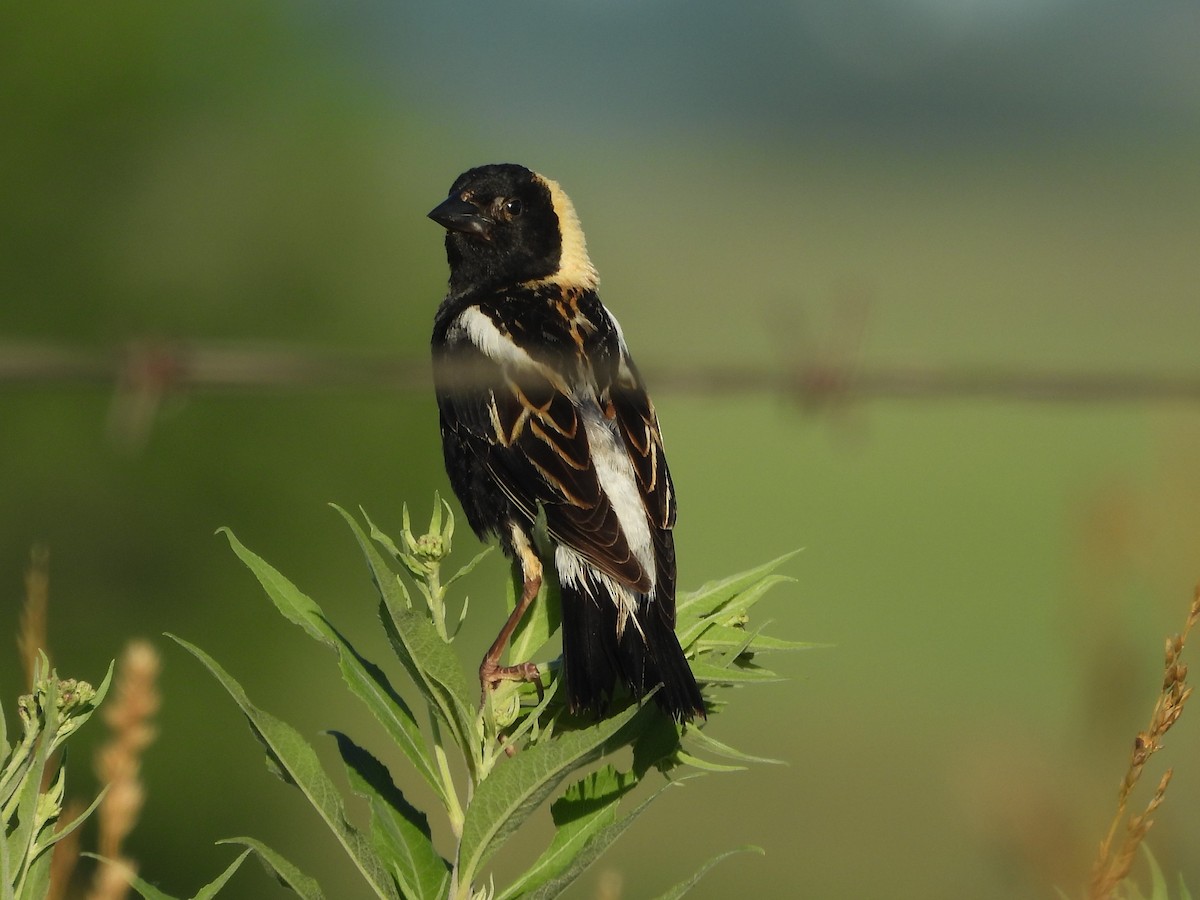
(535, 417)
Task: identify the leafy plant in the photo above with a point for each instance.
(491, 766)
(33, 778)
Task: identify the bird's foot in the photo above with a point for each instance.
(506, 704)
(492, 674)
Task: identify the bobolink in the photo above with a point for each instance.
(542, 406)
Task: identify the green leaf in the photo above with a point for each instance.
(211, 889)
(379, 536)
(736, 610)
(400, 832)
(147, 890)
(428, 659)
(540, 621)
(684, 886)
(506, 798)
(150, 892)
(591, 850)
(706, 765)
(705, 740)
(296, 758)
(736, 662)
(718, 636)
(656, 745)
(435, 521)
(469, 567)
(36, 883)
(65, 830)
(719, 607)
(711, 596)
(585, 808)
(434, 669)
(21, 840)
(712, 673)
(16, 770)
(368, 682)
(280, 869)
(365, 680)
(296, 606)
(592, 792)
(1158, 883)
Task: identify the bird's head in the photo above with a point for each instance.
(506, 225)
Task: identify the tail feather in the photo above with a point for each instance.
(646, 654)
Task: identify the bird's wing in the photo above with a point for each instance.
(566, 424)
(634, 413)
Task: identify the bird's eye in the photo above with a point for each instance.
(513, 208)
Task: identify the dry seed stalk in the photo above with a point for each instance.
(1112, 867)
(31, 630)
(118, 763)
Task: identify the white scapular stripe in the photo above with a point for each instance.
(483, 333)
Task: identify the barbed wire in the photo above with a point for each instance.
(143, 374)
(163, 366)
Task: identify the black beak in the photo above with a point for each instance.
(456, 214)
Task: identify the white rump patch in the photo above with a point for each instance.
(575, 570)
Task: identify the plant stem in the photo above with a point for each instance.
(437, 595)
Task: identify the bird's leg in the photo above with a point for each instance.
(491, 673)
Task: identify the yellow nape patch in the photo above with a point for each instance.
(575, 269)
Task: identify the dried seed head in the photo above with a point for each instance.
(1113, 863)
(1174, 647)
(135, 699)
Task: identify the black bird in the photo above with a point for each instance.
(542, 406)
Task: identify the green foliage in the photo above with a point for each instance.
(33, 778)
(490, 767)
(1159, 889)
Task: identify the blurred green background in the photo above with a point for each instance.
(890, 183)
